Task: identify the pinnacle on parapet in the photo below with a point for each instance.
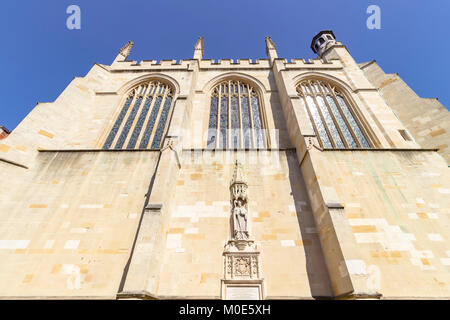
(271, 49)
(124, 52)
(126, 49)
(269, 43)
(198, 49)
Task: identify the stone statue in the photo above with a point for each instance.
(241, 252)
(240, 217)
(239, 201)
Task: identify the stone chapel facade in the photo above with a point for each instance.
(266, 179)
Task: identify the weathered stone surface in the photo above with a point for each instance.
(425, 118)
(77, 221)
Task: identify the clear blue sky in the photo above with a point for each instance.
(39, 56)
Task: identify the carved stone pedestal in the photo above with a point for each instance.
(242, 271)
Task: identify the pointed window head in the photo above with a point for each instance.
(336, 124)
(143, 118)
(236, 119)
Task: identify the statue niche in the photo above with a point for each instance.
(239, 205)
(241, 264)
(240, 217)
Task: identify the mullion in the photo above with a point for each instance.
(324, 123)
(126, 128)
(330, 112)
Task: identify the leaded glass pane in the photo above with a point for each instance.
(352, 122)
(161, 124)
(223, 123)
(150, 124)
(212, 128)
(116, 126)
(332, 118)
(348, 136)
(238, 115)
(318, 122)
(257, 125)
(308, 90)
(138, 121)
(329, 121)
(139, 124)
(235, 126)
(128, 123)
(246, 122)
(234, 112)
(316, 86)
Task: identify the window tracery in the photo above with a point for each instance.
(235, 119)
(142, 120)
(330, 115)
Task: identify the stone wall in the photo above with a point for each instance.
(393, 228)
(426, 118)
(329, 223)
(67, 228)
(281, 222)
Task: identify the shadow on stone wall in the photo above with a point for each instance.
(279, 122)
(319, 280)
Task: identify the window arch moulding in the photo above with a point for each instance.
(236, 118)
(334, 115)
(142, 118)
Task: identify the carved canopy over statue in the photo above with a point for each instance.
(239, 203)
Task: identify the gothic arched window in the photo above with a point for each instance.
(142, 121)
(236, 117)
(331, 117)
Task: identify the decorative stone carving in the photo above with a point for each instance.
(169, 142)
(239, 204)
(242, 266)
(242, 270)
(240, 218)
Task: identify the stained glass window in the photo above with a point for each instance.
(331, 117)
(118, 122)
(212, 128)
(237, 120)
(223, 131)
(143, 118)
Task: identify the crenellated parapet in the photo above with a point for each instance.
(312, 63)
(151, 65)
(232, 63)
(122, 64)
(223, 64)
